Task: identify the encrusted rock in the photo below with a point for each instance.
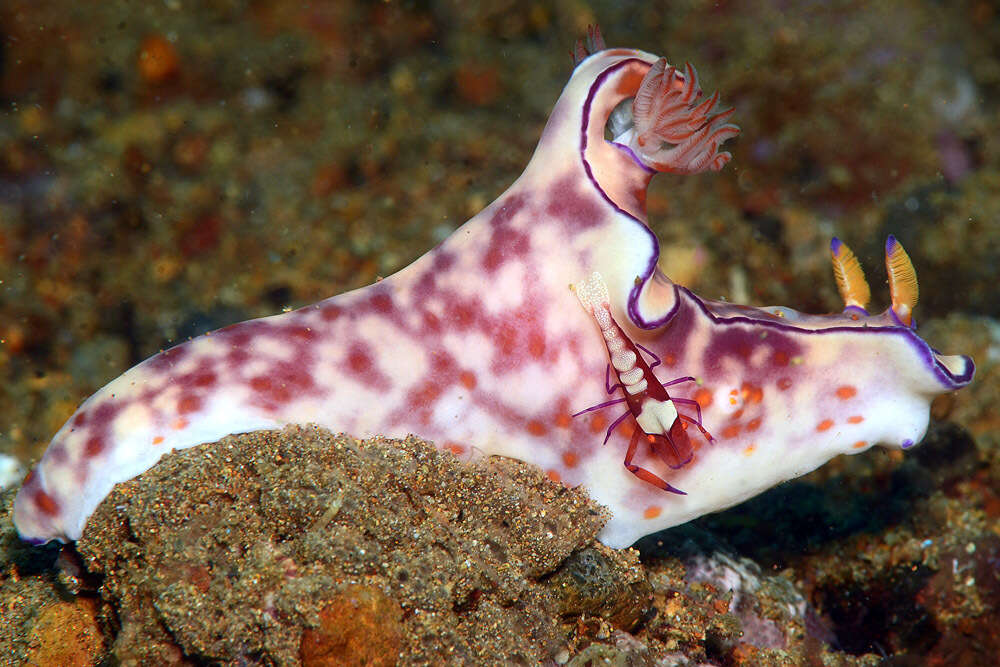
(254, 549)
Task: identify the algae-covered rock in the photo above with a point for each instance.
(256, 548)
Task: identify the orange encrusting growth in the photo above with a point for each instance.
(850, 277)
(902, 280)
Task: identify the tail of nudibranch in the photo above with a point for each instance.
(672, 131)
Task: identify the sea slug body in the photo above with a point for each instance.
(482, 347)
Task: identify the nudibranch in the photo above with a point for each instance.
(482, 345)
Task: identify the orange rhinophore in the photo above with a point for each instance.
(850, 277)
(902, 281)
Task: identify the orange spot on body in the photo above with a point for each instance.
(652, 512)
(860, 444)
(846, 391)
(749, 449)
(731, 431)
(753, 424)
(570, 459)
(536, 427)
(784, 383)
(824, 425)
(468, 379)
(670, 359)
(855, 419)
(752, 393)
(158, 440)
(563, 420)
(179, 424)
(598, 423)
(455, 448)
(704, 397)
(780, 358)
(553, 475)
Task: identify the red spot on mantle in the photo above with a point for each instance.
(271, 391)
(46, 503)
(330, 312)
(468, 379)
(573, 206)
(536, 427)
(462, 314)
(203, 379)
(505, 243)
(93, 447)
(188, 403)
(358, 359)
(382, 303)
